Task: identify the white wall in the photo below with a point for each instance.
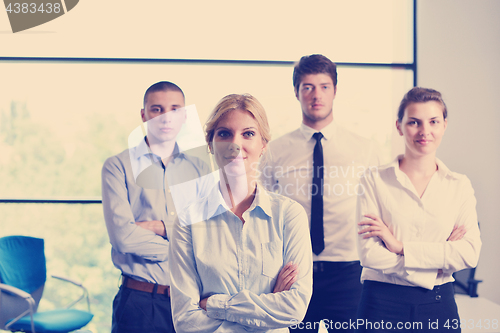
(459, 55)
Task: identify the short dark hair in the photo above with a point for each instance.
(420, 95)
(162, 86)
(313, 64)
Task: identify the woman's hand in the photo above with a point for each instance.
(286, 277)
(457, 234)
(377, 228)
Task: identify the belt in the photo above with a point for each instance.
(145, 286)
(330, 266)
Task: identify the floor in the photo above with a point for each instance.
(477, 315)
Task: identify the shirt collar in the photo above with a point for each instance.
(392, 165)
(177, 153)
(262, 200)
(442, 171)
(328, 131)
(217, 204)
(143, 149)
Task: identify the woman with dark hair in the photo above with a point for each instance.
(417, 226)
(240, 258)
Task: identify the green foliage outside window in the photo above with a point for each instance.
(37, 163)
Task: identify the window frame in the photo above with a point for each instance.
(97, 200)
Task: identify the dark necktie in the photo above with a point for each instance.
(317, 232)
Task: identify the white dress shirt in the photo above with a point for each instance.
(422, 224)
(236, 265)
(347, 156)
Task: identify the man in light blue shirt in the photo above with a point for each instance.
(139, 211)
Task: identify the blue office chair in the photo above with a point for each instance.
(22, 279)
(465, 282)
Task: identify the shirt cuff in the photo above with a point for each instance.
(216, 306)
(424, 255)
(166, 233)
(425, 278)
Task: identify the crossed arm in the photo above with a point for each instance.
(158, 227)
(140, 238)
(377, 228)
(381, 250)
(246, 309)
(286, 277)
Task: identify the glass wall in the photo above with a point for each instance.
(60, 121)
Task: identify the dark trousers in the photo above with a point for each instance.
(335, 298)
(138, 311)
(387, 307)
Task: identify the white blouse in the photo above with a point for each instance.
(422, 224)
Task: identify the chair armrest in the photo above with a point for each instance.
(78, 284)
(16, 291)
(27, 297)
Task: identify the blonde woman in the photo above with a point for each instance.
(240, 258)
(418, 225)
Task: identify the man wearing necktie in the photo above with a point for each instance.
(319, 165)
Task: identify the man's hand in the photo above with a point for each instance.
(286, 277)
(155, 226)
(377, 228)
(203, 304)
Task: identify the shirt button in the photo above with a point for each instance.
(438, 297)
(172, 213)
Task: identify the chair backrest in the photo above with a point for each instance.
(465, 282)
(22, 265)
(22, 262)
